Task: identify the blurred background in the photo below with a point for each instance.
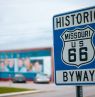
(26, 35)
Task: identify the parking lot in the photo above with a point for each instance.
(31, 85)
(88, 91)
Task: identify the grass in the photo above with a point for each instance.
(11, 90)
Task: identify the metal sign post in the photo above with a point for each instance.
(79, 91)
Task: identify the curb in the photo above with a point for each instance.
(20, 93)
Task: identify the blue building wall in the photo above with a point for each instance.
(16, 55)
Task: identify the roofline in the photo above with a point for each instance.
(28, 49)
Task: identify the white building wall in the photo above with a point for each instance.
(46, 64)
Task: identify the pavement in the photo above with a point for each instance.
(31, 85)
(37, 88)
(88, 90)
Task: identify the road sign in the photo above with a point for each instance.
(74, 47)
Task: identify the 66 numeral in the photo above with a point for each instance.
(83, 56)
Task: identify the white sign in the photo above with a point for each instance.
(76, 76)
(74, 19)
(78, 48)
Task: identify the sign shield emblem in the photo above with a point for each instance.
(77, 46)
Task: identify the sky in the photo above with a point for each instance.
(28, 23)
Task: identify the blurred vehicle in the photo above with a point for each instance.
(42, 78)
(19, 78)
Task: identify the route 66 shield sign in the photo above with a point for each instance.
(77, 46)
